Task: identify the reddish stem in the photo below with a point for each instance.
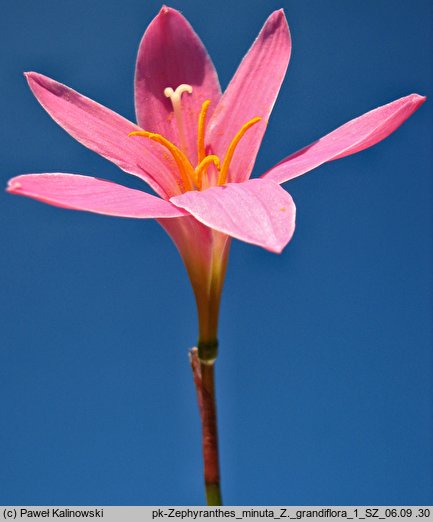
(205, 387)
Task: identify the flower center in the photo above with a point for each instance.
(191, 178)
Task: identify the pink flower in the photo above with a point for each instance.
(196, 148)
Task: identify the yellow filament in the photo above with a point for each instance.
(201, 129)
(204, 163)
(185, 168)
(193, 178)
(222, 178)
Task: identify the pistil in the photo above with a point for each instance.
(176, 100)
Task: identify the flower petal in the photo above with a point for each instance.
(252, 92)
(172, 54)
(93, 195)
(256, 211)
(354, 136)
(104, 132)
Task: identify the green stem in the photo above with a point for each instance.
(213, 495)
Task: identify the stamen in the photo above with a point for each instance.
(204, 163)
(185, 168)
(201, 129)
(176, 98)
(222, 178)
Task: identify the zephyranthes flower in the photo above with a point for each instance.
(196, 148)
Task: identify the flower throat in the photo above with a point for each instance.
(191, 178)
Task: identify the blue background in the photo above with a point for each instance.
(325, 371)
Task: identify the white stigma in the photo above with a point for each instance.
(176, 100)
